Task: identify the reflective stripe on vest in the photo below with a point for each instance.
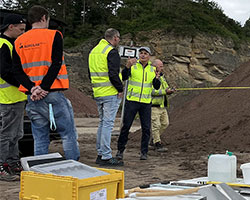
(35, 49)
(5, 85)
(98, 68)
(38, 64)
(39, 78)
(140, 83)
(105, 48)
(9, 94)
(159, 92)
(143, 96)
(99, 74)
(149, 85)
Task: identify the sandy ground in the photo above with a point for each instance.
(159, 167)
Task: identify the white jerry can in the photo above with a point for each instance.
(222, 167)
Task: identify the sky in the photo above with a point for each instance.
(239, 10)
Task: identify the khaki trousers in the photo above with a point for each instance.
(159, 122)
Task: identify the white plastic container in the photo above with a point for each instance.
(68, 168)
(246, 172)
(25, 160)
(222, 167)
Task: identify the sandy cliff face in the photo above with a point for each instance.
(189, 61)
(196, 60)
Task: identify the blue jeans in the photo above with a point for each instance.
(11, 131)
(38, 112)
(107, 108)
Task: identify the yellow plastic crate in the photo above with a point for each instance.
(36, 186)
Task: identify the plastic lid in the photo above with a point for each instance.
(229, 153)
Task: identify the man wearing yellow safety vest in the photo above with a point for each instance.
(40, 68)
(141, 75)
(12, 101)
(104, 69)
(159, 119)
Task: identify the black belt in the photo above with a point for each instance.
(156, 105)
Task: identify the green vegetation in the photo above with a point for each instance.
(90, 18)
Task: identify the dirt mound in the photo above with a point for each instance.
(214, 121)
(83, 105)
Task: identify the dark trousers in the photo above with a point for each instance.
(130, 110)
(11, 131)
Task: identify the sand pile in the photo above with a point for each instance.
(214, 121)
(83, 105)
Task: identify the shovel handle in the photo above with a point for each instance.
(167, 192)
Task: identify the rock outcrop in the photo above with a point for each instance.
(189, 61)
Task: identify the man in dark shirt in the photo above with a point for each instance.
(141, 75)
(39, 67)
(12, 101)
(104, 68)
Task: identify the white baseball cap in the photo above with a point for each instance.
(147, 49)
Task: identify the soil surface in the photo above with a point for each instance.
(212, 122)
(215, 120)
(158, 168)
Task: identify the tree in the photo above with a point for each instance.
(247, 28)
(87, 18)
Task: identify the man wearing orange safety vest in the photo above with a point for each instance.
(40, 69)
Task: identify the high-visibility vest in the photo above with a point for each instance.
(158, 96)
(35, 51)
(98, 68)
(140, 83)
(9, 94)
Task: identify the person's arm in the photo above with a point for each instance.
(168, 90)
(114, 69)
(6, 66)
(18, 72)
(156, 83)
(57, 53)
(126, 72)
(164, 88)
(89, 74)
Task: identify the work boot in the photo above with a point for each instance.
(151, 143)
(143, 156)
(16, 168)
(98, 159)
(160, 148)
(111, 162)
(5, 174)
(119, 155)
